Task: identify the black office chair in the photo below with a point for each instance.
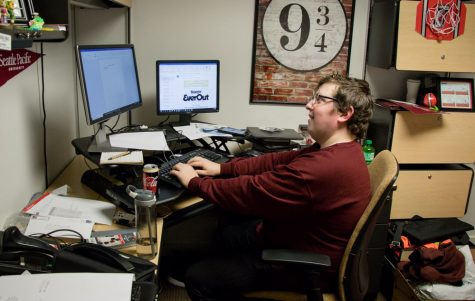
(354, 271)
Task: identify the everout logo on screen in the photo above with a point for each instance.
(195, 96)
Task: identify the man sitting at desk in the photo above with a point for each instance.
(310, 199)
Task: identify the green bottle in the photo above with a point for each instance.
(368, 151)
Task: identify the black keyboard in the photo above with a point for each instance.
(164, 174)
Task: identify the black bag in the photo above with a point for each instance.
(423, 231)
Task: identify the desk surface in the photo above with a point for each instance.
(71, 176)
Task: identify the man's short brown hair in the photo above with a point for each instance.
(352, 92)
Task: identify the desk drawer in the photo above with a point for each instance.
(433, 138)
(433, 192)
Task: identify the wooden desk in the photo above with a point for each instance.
(71, 176)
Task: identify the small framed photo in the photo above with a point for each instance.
(23, 11)
(455, 94)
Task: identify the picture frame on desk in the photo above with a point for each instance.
(455, 94)
(23, 11)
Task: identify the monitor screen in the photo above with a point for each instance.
(187, 87)
(109, 80)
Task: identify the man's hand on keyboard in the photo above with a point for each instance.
(205, 167)
(184, 173)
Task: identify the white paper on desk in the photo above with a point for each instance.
(195, 131)
(63, 190)
(134, 158)
(140, 140)
(67, 286)
(47, 224)
(63, 206)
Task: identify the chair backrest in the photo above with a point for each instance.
(353, 276)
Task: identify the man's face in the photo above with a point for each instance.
(322, 116)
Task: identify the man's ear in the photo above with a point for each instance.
(344, 117)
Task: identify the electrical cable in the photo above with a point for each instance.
(128, 39)
(162, 122)
(98, 129)
(49, 234)
(56, 240)
(110, 129)
(115, 124)
(45, 156)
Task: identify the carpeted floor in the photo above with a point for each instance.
(173, 293)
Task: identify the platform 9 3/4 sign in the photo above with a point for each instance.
(304, 35)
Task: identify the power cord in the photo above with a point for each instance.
(58, 242)
(45, 156)
(115, 124)
(163, 121)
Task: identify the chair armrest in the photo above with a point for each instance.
(288, 256)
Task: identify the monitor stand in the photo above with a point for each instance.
(183, 119)
(100, 143)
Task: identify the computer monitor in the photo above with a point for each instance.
(187, 87)
(109, 83)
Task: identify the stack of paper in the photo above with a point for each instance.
(198, 130)
(140, 140)
(67, 286)
(52, 212)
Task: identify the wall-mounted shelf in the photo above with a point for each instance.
(101, 4)
(56, 16)
(23, 38)
(56, 29)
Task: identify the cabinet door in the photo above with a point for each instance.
(414, 52)
(434, 138)
(431, 193)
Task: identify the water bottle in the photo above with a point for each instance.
(368, 151)
(145, 221)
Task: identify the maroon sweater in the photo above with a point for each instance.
(310, 199)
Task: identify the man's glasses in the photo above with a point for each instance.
(320, 99)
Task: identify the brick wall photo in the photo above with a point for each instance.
(302, 42)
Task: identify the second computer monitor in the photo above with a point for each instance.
(110, 85)
(186, 87)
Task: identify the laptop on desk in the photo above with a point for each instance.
(265, 134)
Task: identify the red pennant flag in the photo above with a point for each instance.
(14, 62)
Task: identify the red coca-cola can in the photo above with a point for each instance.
(150, 178)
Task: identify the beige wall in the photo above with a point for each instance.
(21, 134)
(210, 29)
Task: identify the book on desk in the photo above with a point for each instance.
(273, 139)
